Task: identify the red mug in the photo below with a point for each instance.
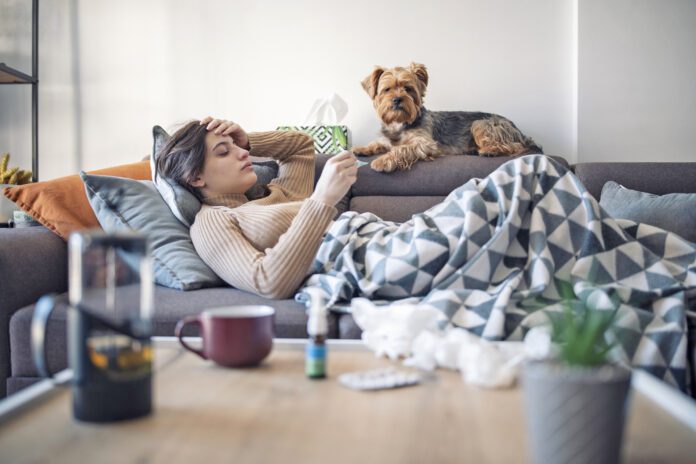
(233, 336)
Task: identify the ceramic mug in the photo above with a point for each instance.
(233, 336)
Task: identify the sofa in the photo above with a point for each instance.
(33, 261)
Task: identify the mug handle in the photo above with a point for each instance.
(180, 328)
(42, 311)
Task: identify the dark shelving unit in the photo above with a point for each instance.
(9, 76)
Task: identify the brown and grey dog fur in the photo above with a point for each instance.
(412, 133)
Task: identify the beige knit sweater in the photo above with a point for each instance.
(266, 246)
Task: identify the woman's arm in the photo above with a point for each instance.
(276, 272)
(273, 273)
(294, 152)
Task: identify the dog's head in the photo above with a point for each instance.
(397, 93)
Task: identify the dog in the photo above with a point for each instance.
(413, 133)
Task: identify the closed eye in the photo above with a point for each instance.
(386, 89)
(409, 88)
(223, 147)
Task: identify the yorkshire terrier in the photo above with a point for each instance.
(412, 133)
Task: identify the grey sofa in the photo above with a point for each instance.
(33, 261)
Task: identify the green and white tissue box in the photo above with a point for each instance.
(328, 139)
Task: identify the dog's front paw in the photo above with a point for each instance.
(371, 149)
(361, 151)
(384, 163)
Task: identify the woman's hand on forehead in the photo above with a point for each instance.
(225, 127)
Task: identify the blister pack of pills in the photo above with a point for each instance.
(379, 379)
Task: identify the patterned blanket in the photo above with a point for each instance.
(495, 255)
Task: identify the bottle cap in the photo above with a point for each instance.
(317, 324)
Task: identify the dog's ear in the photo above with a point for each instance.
(371, 81)
(421, 73)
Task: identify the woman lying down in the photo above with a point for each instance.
(492, 257)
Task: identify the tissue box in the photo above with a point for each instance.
(330, 140)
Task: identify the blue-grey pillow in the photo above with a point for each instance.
(184, 204)
(674, 212)
(130, 205)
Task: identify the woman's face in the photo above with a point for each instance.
(227, 168)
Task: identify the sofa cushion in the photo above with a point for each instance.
(394, 208)
(347, 328)
(675, 212)
(14, 384)
(61, 204)
(124, 205)
(170, 306)
(657, 178)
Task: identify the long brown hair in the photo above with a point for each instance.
(181, 159)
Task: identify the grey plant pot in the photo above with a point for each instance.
(575, 414)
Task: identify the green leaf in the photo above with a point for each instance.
(339, 138)
(565, 289)
(580, 330)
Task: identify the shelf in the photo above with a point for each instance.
(10, 75)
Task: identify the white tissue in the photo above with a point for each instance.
(390, 331)
(329, 110)
(484, 365)
(431, 349)
(423, 351)
(405, 330)
(449, 352)
(480, 362)
(537, 343)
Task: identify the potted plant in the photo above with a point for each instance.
(576, 403)
(10, 177)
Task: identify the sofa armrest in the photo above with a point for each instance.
(33, 262)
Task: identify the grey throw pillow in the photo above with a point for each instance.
(674, 212)
(184, 204)
(130, 205)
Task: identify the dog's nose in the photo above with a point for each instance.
(396, 100)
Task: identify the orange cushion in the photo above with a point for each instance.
(61, 204)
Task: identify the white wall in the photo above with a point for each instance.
(637, 80)
(110, 70)
(263, 63)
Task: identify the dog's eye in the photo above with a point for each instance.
(409, 88)
(386, 89)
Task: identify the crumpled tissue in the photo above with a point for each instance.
(406, 330)
(389, 331)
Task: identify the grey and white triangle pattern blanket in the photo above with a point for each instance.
(495, 254)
